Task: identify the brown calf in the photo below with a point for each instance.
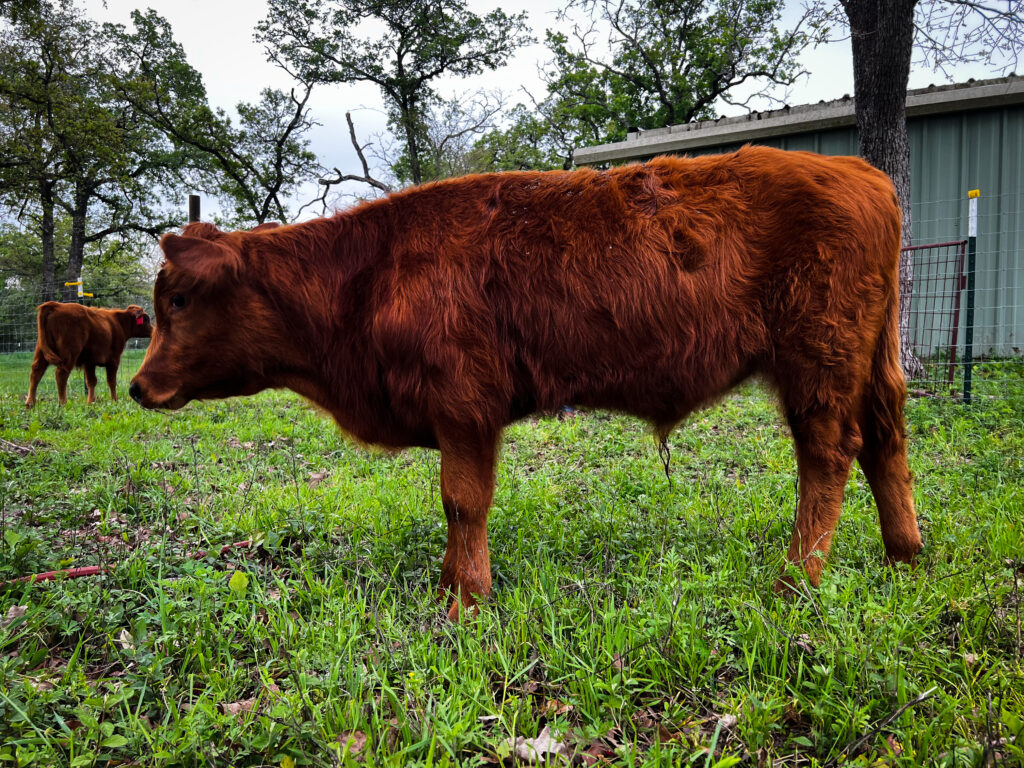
(72, 336)
(438, 315)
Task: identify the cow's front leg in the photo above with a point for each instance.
(467, 487)
(90, 383)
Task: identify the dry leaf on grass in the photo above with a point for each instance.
(894, 745)
(597, 751)
(352, 742)
(237, 707)
(728, 721)
(554, 707)
(540, 750)
(14, 612)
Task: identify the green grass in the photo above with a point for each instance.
(632, 614)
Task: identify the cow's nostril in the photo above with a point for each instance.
(135, 391)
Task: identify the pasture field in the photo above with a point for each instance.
(633, 620)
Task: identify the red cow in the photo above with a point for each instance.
(440, 314)
(72, 336)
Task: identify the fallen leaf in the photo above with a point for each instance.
(645, 718)
(728, 721)
(237, 707)
(14, 612)
(41, 685)
(595, 752)
(894, 745)
(352, 742)
(539, 750)
(554, 707)
(125, 640)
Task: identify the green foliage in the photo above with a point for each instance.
(73, 146)
(411, 46)
(257, 166)
(526, 144)
(652, 64)
(632, 616)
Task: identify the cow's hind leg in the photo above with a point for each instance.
(112, 381)
(468, 459)
(39, 366)
(884, 461)
(62, 375)
(826, 444)
(90, 383)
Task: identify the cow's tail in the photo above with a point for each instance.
(887, 387)
(45, 343)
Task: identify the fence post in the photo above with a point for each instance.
(972, 249)
(193, 208)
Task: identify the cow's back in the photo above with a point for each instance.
(648, 288)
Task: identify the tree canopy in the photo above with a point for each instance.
(401, 47)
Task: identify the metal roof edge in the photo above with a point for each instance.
(800, 119)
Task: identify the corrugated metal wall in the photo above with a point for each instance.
(951, 154)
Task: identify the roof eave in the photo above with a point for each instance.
(680, 138)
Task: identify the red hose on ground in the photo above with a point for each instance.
(96, 570)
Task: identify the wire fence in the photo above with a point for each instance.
(939, 283)
(944, 331)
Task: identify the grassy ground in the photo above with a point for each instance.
(632, 622)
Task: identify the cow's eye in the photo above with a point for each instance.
(178, 301)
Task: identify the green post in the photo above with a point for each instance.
(972, 249)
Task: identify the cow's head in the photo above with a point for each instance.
(215, 328)
(140, 324)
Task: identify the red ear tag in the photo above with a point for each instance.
(138, 320)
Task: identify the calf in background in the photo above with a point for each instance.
(72, 336)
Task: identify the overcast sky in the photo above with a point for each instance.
(217, 36)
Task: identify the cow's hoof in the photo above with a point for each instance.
(458, 610)
(786, 586)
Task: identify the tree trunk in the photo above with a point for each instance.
(77, 250)
(49, 287)
(882, 36)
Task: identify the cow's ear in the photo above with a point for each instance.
(206, 260)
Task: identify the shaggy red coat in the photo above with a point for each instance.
(440, 314)
(72, 336)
